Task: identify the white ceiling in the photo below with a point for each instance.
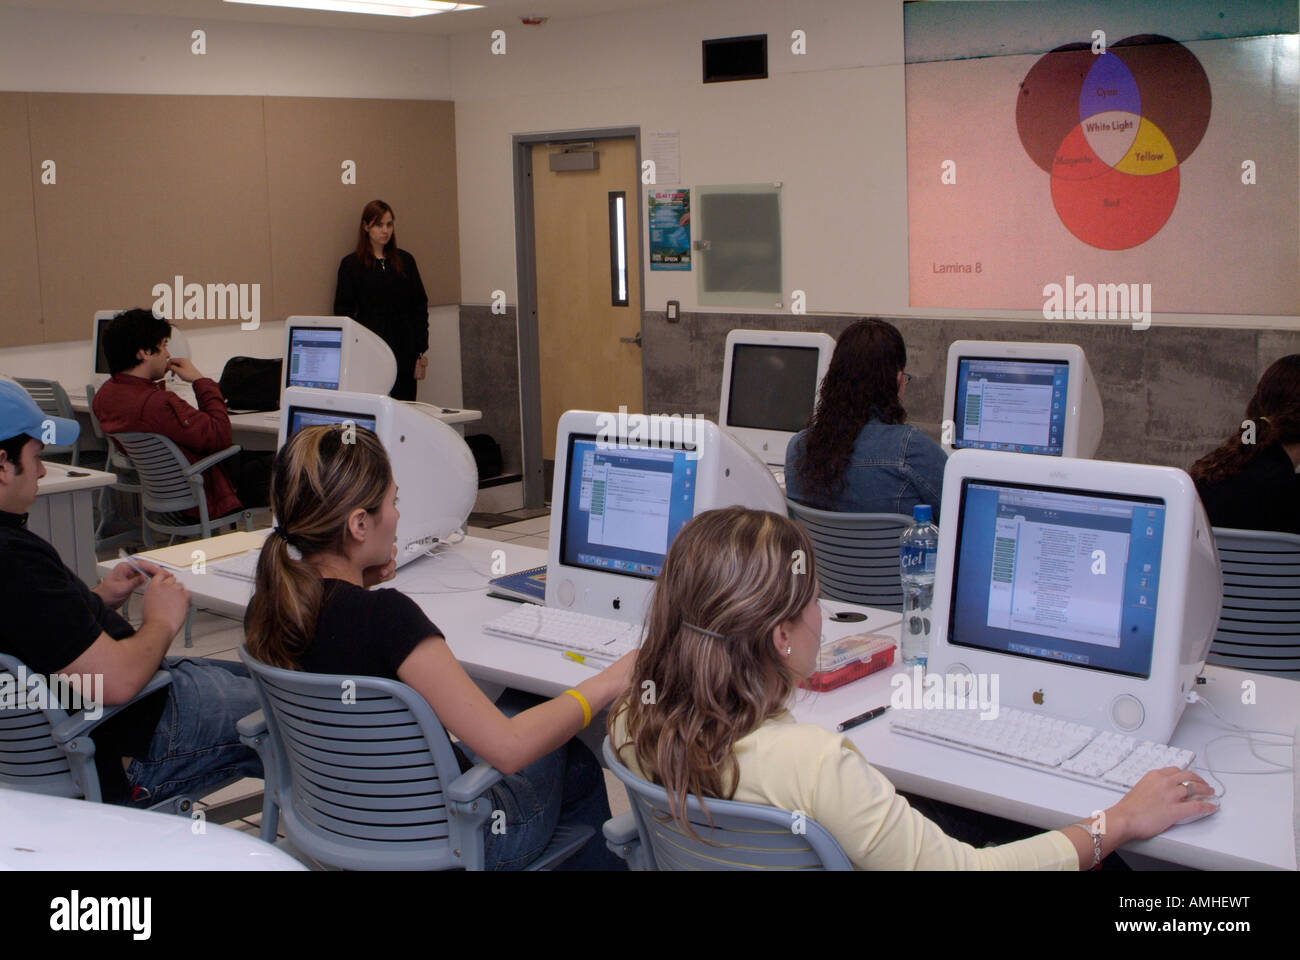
(495, 13)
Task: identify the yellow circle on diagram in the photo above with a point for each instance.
(1150, 153)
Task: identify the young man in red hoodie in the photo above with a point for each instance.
(135, 401)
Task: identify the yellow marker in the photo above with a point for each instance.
(585, 661)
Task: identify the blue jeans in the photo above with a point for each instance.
(195, 747)
(566, 787)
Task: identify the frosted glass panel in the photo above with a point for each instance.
(739, 231)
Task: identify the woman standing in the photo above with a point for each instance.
(379, 287)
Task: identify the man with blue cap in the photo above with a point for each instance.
(180, 739)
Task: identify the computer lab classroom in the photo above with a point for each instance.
(641, 227)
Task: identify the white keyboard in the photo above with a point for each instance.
(567, 630)
(1038, 742)
(240, 567)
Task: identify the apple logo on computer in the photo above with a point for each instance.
(1038, 697)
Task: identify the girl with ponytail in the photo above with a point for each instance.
(335, 501)
(1249, 481)
(734, 625)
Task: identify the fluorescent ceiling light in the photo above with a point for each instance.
(386, 8)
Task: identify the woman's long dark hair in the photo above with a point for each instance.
(861, 384)
(1274, 412)
(371, 215)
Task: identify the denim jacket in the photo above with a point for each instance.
(893, 468)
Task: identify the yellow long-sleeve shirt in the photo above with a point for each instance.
(803, 767)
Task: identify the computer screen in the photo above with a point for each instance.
(624, 505)
(772, 387)
(301, 417)
(315, 357)
(1061, 575)
(101, 358)
(1017, 405)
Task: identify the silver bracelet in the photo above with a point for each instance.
(1096, 843)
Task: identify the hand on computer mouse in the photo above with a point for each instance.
(1161, 799)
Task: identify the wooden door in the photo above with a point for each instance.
(583, 363)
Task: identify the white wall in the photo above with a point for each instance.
(829, 125)
(53, 51)
(64, 52)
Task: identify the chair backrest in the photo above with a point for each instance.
(117, 460)
(359, 767)
(30, 760)
(1259, 623)
(743, 836)
(161, 467)
(53, 401)
(857, 553)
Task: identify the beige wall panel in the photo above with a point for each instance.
(405, 155)
(20, 287)
(149, 187)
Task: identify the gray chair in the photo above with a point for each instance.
(361, 775)
(49, 750)
(127, 484)
(53, 401)
(1259, 622)
(172, 485)
(857, 553)
(742, 836)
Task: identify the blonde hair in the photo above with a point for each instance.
(730, 578)
(319, 477)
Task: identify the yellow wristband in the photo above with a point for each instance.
(586, 707)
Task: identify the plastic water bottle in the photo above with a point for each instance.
(917, 550)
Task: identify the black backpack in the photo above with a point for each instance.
(251, 383)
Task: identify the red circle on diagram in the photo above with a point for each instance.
(1115, 211)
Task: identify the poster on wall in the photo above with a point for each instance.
(1100, 161)
(670, 229)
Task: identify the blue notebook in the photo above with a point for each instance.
(526, 586)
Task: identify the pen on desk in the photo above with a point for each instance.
(584, 660)
(860, 719)
(123, 555)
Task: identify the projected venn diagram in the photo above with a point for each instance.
(1111, 129)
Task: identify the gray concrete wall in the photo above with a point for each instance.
(489, 365)
(1170, 393)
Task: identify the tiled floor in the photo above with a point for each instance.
(219, 638)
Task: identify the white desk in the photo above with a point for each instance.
(258, 431)
(55, 833)
(63, 514)
(1253, 830)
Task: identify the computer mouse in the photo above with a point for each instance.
(1200, 816)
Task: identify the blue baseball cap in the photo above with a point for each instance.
(20, 414)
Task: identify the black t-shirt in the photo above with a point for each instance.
(367, 633)
(52, 618)
(1265, 495)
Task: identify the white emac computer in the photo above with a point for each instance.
(1022, 398)
(336, 353)
(1091, 589)
(624, 485)
(770, 380)
(432, 465)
